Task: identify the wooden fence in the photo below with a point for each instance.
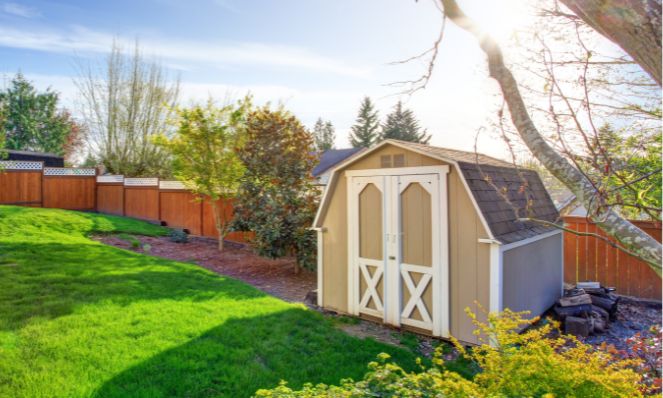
(592, 259)
(168, 202)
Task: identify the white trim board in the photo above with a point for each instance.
(398, 171)
(527, 241)
(496, 281)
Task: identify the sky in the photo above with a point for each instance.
(318, 57)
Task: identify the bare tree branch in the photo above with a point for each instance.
(629, 235)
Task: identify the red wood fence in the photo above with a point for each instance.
(30, 184)
(592, 259)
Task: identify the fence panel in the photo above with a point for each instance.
(20, 187)
(69, 188)
(110, 194)
(589, 258)
(141, 198)
(180, 209)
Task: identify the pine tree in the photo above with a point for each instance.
(402, 125)
(324, 135)
(31, 119)
(365, 130)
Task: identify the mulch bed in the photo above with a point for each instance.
(275, 277)
(633, 316)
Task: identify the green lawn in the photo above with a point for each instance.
(80, 319)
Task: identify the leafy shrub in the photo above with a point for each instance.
(178, 236)
(534, 363)
(276, 199)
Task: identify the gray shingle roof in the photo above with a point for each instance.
(456, 155)
(503, 193)
(506, 194)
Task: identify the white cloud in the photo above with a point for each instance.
(20, 10)
(79, 39)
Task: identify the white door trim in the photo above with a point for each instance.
(391, 302)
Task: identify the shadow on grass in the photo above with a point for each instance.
(50, 280)
(244, 354)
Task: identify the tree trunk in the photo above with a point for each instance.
(293, 253)
(646, 247)
(219, 221)
(634, 25)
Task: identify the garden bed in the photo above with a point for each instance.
(633, 316)
(276, 277)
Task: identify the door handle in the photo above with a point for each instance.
(392, 257)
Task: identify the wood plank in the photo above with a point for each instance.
(601, 257)
(570, 254)
(582, 253)
(590, 270)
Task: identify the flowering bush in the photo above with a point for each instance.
(513, 364)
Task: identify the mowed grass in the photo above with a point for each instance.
(81, 319)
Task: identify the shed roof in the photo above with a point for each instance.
(506, 194)
(502, 193)
(332, 157)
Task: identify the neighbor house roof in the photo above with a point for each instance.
(49, 159)
(501, 192)
(332, 157)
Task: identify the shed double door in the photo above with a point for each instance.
(395, 260)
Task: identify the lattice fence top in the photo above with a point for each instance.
(141, 182)
(20, 165)
(111, 178)
(69, 171)
(171, 185)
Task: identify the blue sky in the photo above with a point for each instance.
(318, 57)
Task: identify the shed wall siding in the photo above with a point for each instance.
(335, 240)
(532, 275)
(468, 259)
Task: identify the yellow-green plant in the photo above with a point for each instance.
(538, 362)
(204, 150)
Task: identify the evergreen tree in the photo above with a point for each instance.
(402, 125)
(31, 120)
(365, 130)
(324, 135)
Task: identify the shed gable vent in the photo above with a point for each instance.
(397, 160)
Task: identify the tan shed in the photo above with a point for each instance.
(411, 235)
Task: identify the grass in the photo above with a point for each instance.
(81, 319)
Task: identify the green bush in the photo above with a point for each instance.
(513, 364)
